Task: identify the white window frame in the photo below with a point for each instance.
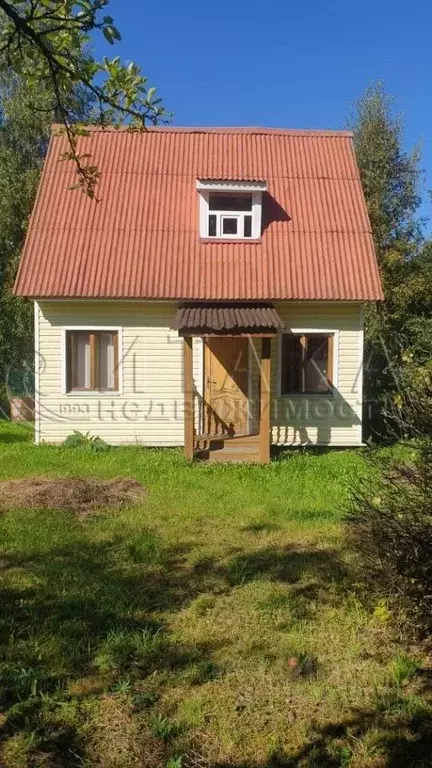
(310, 332)
(84, 328)
(255, 188)
(220, 216)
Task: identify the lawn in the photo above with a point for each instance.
(216, 624)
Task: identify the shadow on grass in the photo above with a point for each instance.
(287, 564)
(92, 611)
(285, 453)
(79, 615)
(267, 527)
(396, 742)
(24, 436)
(404, 741)
(86, 610)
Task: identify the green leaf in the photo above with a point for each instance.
(111, 33)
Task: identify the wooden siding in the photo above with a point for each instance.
(319, 419)
(149, 410)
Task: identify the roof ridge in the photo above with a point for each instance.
(245, 129)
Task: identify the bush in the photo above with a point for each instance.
(89, 442)
(390, 525)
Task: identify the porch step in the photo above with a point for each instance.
(223, 440)
(226, 448)
(234, 458)
(228, 456)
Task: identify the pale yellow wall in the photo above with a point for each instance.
(149, 409)
(320, 419)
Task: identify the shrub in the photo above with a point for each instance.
(92, 443)
(390, 524)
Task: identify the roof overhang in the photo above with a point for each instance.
(219, 185)
(227, 320)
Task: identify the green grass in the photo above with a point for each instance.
(216, 624)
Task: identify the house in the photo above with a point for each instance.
(213, 297)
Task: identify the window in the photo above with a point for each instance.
(92, 361)
(231, 209)
(230, 215)
(306, 364)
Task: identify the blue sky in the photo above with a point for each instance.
(281, 63)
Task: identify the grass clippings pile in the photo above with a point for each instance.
(81, 495)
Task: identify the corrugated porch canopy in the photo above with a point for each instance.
(227, 319)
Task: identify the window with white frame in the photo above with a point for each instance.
(92, 361)
(230, 215)
(231, 210)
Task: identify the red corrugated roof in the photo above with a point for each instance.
(142, 239)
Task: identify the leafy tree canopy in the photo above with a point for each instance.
(390, 177)
(48, 42)
(48, 73)
(25, 120)
(396, 330)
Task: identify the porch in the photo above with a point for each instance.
(218, 424)
(232, 448)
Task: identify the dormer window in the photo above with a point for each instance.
(230, 210)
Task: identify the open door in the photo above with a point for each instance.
(226, 379)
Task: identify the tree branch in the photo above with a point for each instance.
(122, 95)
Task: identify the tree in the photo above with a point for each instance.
(412, 313)
(390, 525)
(48, 73)
(25, 119)
(24, 136)
(47, 42)
(390, 178)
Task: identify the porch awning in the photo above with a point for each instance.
(227, 319)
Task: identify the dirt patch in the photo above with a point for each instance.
(81, 495)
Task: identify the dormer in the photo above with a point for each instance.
(230, 210)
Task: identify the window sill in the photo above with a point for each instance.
(247, 240)
(329, 393)
(85, 393)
